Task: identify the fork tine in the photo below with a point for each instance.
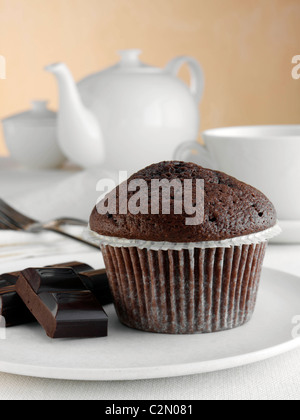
(14, 217)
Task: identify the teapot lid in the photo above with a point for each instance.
(38, 115)
(130, 62)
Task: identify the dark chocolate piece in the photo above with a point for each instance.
(12, 307)
(53, 279)
(73, 314)
(97, 282)
(78, 267)
(9, 279)
(63, 313)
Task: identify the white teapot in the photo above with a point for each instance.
(129, 115)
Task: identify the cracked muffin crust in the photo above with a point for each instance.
(231, 209)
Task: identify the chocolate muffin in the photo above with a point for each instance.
(170, 276)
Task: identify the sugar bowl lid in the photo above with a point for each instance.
(38, 115)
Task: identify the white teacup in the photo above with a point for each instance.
(266, 157)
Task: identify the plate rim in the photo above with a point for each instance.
(158, 372)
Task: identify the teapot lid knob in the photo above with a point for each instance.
(130, 57)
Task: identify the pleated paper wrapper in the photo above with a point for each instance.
(185, 288)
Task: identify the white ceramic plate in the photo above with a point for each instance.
(290, 232)
(128, 354)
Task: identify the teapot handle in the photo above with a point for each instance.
(196, 72)
(192, 151)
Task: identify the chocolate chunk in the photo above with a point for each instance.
(97, 282)
(78, 267)
(8, 279)
(12, 307)
(63, 313)
(53, 279)
(72, 314)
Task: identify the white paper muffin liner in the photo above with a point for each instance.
(185, 288)
(255, 238)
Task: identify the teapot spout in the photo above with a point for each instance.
(79, 134)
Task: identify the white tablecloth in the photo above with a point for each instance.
(274, 379)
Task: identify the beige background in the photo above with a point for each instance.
(245, 47)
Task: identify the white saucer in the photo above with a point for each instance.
(128, 354)
(290, 232)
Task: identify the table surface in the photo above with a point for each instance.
(274, 379)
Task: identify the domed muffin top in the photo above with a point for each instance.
(229, 208)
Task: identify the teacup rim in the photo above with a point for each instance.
(238, 132)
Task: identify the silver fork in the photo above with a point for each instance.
(14, 220)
